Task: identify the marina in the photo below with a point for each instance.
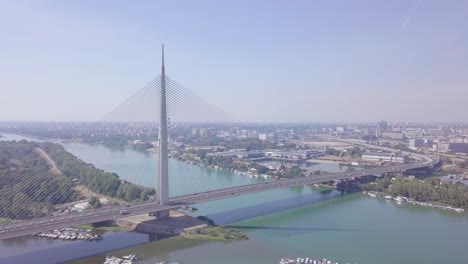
(129, 259)
(402, 199)
(306, 261)
(69, 234)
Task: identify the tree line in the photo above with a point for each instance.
(427, 190)
(28, 189)
(96, 180)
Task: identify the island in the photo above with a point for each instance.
(215, 233)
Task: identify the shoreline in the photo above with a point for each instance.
(402, 199)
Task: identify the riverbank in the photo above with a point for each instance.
(217, 233)
(173, 225)
(403, 199)
(4, 220)
(427, 192)
(107, 226)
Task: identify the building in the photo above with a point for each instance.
(416, 143)
(428, 142)
(255, 154)
(85, 205)
(104, 201)
(199, 131)
(382, 127)
(384, 157)
(459, 139)
(393, 135)
(443, 147)
(412, 133)
(458, 148)
(81, 206)
(315, 154)
(300, 155)
(267, 137)
(203, 132)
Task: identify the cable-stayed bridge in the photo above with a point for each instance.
(173, 111)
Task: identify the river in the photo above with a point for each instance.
(300, 221)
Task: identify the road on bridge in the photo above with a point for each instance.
(110, 213)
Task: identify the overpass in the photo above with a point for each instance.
(110, 213)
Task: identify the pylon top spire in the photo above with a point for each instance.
(163, 178)
(163, 56)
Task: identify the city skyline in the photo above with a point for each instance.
(337, 62)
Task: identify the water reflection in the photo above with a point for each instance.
(28, 249)
(293, 229)
(246, 212)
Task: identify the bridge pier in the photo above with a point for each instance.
(161, 214)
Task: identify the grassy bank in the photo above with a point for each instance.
(106, 226)
(5, 220)
(216, 233)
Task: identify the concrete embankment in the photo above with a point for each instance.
(172, 225)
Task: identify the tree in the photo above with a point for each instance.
(146, 193)
(461, 164)
(133, 193)
(260, 168)
(294, 171)
(94, 202)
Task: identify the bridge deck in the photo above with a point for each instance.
(110, 213)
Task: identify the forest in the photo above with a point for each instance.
(29, 189)
(96, 180)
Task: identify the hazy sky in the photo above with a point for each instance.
(257, 60)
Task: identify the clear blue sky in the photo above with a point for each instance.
(258, 60)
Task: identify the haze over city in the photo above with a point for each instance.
(262, 61)
(259, 132)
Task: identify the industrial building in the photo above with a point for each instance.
(452, 147)
(458, 148)
(384, 156)
(417, 143)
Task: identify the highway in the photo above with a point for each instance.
(109, 213)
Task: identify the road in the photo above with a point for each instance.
(53, 166)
